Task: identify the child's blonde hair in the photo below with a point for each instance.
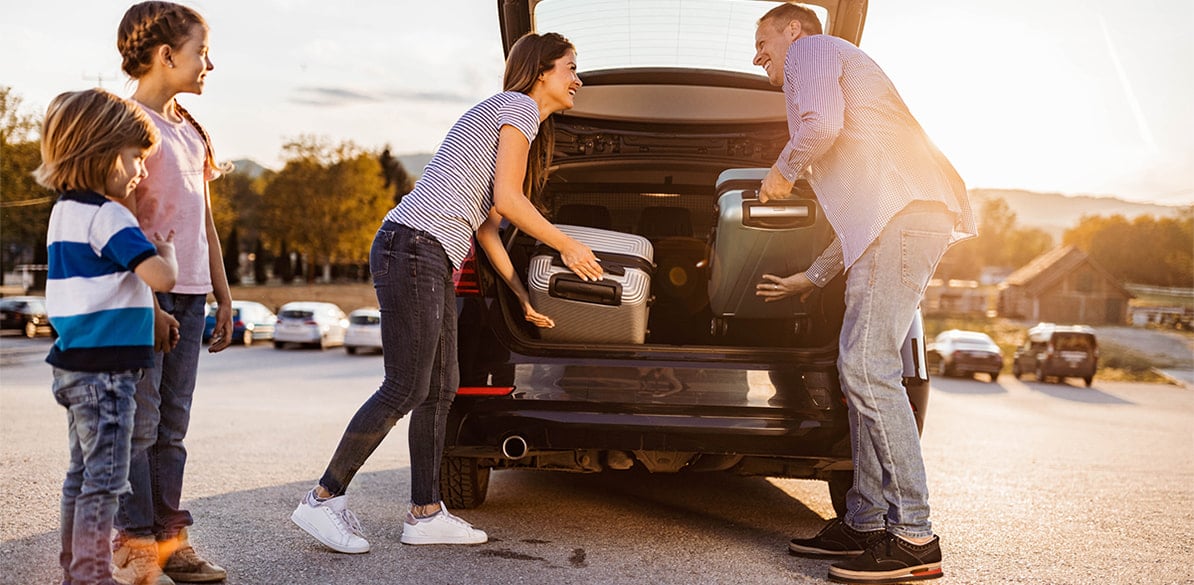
(82, 136)
(149, 25)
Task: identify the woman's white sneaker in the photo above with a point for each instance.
(332, 523)
(441, 528)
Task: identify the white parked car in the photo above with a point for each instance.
(364, 330)
(310, 324)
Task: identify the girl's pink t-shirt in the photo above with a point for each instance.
(174, 197)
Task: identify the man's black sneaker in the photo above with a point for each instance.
(891, 560)
(835, 540)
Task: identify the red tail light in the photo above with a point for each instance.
(485, 391)
(465, 279)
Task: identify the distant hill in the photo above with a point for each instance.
(248, 167)
(1054, 213)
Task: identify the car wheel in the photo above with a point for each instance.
(463, 482)
(840, 483)
(351, 349)
(943, 369)
(994, 377)
(1016, 371)
(30, 329)
(1089, 380)
(247, 338)
(279, 344)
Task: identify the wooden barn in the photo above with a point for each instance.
(1064, 286)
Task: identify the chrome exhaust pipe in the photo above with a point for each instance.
(514, 447)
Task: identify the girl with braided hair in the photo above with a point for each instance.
(164, 49)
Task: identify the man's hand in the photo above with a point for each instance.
(775, 186)
(221, 336)
(774, 288)
(165, 331)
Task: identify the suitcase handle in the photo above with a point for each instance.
(781, 214)
(565, 285)
(613, 263)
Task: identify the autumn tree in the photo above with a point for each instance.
(326, 202)
(999, 243)
(24, 205)
(1145, 250)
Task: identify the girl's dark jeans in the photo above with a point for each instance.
(413, 279)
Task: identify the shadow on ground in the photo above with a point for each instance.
(544, 528)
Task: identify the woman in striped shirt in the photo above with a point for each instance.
(491, 160)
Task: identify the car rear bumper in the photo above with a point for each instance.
(479, 426)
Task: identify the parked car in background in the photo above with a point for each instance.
(311, 324)
(965, 353)
(364, 330)
(26, 314)
(251, 321)
(1058, 351)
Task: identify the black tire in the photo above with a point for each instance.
(463, 482)
(279, 344)
(840, 482)
(1089, 380)
(1016, 371)
(994, 377)
(351, 349)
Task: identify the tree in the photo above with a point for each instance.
(24, 205)
(395, 175)
(326, 202)
(1146, 250)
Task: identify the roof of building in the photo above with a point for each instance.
(1047, 269)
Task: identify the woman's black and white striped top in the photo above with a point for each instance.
(455, 193)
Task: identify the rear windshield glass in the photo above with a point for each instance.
(1073, 341)
(364, 319)
(293, 314)
(690, 34)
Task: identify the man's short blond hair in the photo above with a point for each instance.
(781, 15)
(82, 136)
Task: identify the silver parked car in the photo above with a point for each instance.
(315, 324)
(364, 330)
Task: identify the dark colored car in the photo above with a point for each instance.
(641, 152)
(965, 353)
(26, 314)
(1058, 351)
(251, 321)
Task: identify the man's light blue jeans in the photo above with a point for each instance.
(883, 289)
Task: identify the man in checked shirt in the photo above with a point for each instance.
(895, 204)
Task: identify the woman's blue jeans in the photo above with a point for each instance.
(883, 289)
(413, 279)
(99, 407)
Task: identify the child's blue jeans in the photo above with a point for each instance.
(99, 407)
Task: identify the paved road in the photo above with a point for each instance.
(1032, 483)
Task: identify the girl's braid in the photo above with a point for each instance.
(207, 147)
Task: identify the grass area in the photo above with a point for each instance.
(1116, 363)
(346, 296)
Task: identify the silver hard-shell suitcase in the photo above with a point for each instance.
(751, 238)
(611, 310)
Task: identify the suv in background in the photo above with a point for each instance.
(653, 128)
(1058, 351)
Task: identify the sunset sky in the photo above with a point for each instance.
(1068, 96)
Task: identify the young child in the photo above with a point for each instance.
(164, 48)
(93, 152)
